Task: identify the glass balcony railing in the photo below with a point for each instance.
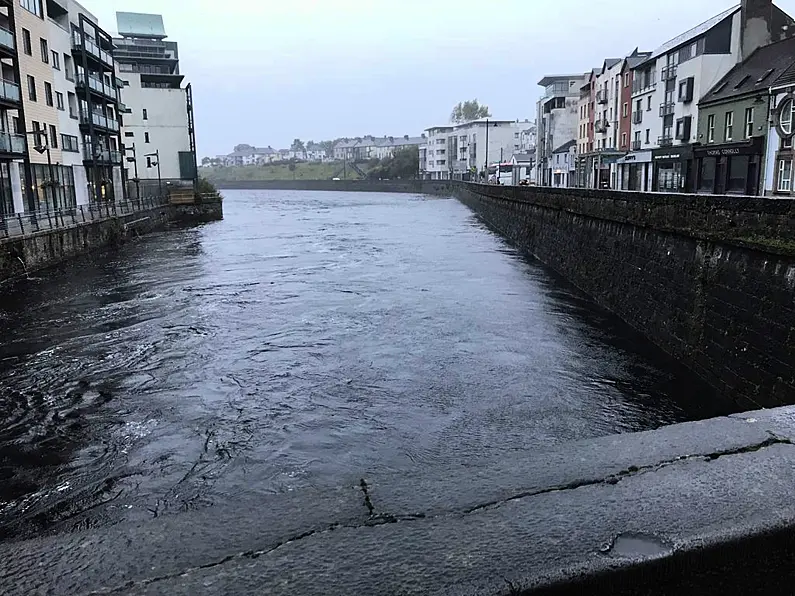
(9, 91)
(12, 143)
(99, 120)
(102, 155)
(97, 85)
(7, 39)
(92, 48)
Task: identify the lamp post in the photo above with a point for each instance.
(149, 164)
(42, 148)
(134, 160)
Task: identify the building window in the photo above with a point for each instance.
(625, 110)
(729, 126)
(626, 79)
(45, 51)
(48, 94)
(31, 88)
(26, 43)
(711, 128)
(129, 134)
(56, 60)
(146, 137)
(785, 116)
(623, 140)
(749, 123)
(648, 135)
(33, 6)
(59, 101)
(648, 103)
(15, 124)
(784, 183)
(53, 137)
(786, 143)
(69, 143)
(146, 114)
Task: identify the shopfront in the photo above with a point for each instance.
(731, 168)
(633, 171)
(673, 169)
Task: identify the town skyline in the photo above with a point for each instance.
(327, 89)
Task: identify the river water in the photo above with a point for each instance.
(309, 339)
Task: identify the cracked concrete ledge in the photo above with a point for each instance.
(702, 507)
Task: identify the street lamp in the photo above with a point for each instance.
(149, 164)
(42, 148)
(134, 160)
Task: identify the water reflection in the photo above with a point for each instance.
(308, 339)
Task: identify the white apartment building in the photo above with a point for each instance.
(668, 86)
(459, 151)
(158, 132)
(557, 119)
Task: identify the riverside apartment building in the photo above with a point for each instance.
(62, 116)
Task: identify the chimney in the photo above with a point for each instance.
(756, 26)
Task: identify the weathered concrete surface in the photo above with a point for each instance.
(697, 508)
(710, 280)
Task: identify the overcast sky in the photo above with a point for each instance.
(267, 71)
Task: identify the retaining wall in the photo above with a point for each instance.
(711, 280)
(399, 186)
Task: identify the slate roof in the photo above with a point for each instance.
(761, 70)
(564, 148)
(688, 36)
(524, 157)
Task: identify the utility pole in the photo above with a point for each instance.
(486, 165)
(42, 148)
(156, 155)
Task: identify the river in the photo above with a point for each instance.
(309, 339)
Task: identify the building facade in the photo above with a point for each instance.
(557, 118)
(158, 134)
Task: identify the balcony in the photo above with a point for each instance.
(600, 126)
(9, 92)
(92, 49)
(98, 120)
(124, 109)
(636, 145)
(97, 85)
(102, 156)
(8, 43)
(666, 109)
(668, 73)
(601, 96)
(556, 90)
(637, 117)
(665, 141)
(10, 143)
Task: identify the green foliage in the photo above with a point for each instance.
(469, 110)
(281, 171)
(205, 187)
(298, 145)
(405, 163)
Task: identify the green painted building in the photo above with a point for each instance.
(733, 121)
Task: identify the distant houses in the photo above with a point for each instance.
(357, 149)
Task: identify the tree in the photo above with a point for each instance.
(291, 167)
(298, 146)
(405, 163)
(469, 110)
(206, 161)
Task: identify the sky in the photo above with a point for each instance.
(265, 72)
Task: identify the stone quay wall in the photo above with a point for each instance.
(433, 187)
(709, 279)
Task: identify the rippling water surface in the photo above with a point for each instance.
(307, 340)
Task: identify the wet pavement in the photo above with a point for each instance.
(307, 341)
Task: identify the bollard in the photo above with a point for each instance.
(21, 227)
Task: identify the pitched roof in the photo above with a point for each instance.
(691, 34)
(564, 148)
(524, 157)
(761, 70)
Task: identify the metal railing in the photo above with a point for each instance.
(665, 141)
(666, 109)
(601, 96)
(22, 224)
(635, 145)
(600, 126)
(637, 117)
